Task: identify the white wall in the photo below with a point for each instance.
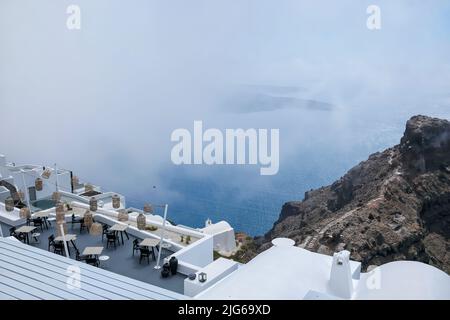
(195, 256)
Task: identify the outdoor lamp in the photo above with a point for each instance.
(93, 204)
(141, 221)
(46, 174)
(39, 184)
(56, 196)
(202, 277)
(116, 201)
(123, 215)
(148, 208)
(9, 204)
(88, 219)
(24, 213)
(96, 229)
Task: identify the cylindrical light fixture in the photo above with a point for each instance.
(88, 187)
(88, 219)
(60, 215)
(46, 174)
(39, 184)
(93, 204)
(58, 228)
(24, 213)
(9, 204)
(141, 221)
(96, 229)
(148, 208)
(202, 277)
(75, 180)
(123, 215)
(56, 196)
(116, 201)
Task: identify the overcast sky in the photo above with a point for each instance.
(103, 100)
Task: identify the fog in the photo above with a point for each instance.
(103, 101)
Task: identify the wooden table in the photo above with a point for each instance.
(43, 216)
(69, 238)
(150, 242)
(92, 251)
(118, 227)
(26, 230)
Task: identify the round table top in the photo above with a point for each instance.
(103, 258)
(283, 242)
(165, 245)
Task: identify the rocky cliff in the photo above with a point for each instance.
(393, 206)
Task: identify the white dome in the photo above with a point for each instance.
(404, 280)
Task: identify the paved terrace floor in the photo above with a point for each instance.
(121, 259)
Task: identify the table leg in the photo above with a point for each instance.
(128, 238)
(121, 235)
(153, 253)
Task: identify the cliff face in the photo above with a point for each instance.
(393, 206)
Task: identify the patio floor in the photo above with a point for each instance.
(121, 260)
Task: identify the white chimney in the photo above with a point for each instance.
(341, 283)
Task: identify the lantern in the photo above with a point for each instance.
(75, 181)
(116, 201)
(88, 219)
(56, 196)
(88, 187)
(39, 184)
(148, 208)
(58, 228)
(123, 215)
(93, 205)
(141, 221)
(46, 174)
(9, 204)
(96, 229)
(202, 277)
(24, 213)
(60, 215)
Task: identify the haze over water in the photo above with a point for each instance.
(103, 101)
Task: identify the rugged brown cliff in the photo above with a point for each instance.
(393, 206)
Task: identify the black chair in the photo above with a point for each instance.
(135, 246)
(58, 248)
(38, 223)
(145, 253)
(82, 225)
(51, 240)
(88, 259)
(93, 261)
(111, 238)
(18, 236)
(105, 231)
(78, 256)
